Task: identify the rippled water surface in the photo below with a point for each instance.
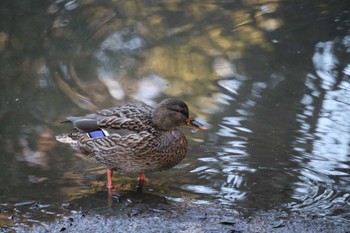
(271, 80)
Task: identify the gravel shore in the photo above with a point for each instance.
(135, 216)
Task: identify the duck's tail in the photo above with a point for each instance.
(70, 138)
(65, 138)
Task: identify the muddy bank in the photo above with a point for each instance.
(134, 214)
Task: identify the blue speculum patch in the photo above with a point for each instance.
(96, 134)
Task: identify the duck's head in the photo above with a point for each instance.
(172, 113)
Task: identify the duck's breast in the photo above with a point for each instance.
(172, 148)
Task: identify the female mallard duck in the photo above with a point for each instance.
(134, 138)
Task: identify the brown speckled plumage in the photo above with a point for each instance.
(140, 138)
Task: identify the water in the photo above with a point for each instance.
(269, 79)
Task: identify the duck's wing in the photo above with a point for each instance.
(129, 117)
(86, 123)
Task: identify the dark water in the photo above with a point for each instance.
(270, 79)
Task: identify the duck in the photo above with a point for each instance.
(133, 138)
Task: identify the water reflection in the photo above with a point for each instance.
(114, 57)
(325, 145)
(302, 171)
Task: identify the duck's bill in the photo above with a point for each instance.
(195, 124)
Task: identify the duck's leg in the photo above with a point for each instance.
(109, 179)
(110, 187)
(142, 179)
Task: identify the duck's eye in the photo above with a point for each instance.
(176, 110)
(183, 112)
(179, 111)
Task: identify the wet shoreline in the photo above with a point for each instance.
(132, 214)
